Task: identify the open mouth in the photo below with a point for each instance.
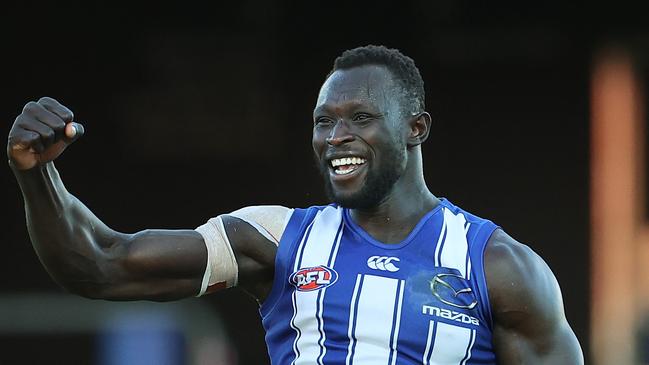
(346, 165)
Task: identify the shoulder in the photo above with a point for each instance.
(529, 323)
(519, 281)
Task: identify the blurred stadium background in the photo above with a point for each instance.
(193, 109)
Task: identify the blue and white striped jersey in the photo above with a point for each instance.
(341, 297)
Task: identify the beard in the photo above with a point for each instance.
(377, 185)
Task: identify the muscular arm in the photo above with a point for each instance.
(88, 258)
(530, 326)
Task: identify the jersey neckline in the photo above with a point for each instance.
(443, 202)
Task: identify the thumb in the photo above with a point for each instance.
(73, 131)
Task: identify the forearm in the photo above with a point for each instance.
(71, 242)
(80, 252)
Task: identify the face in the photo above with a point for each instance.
(359, 138)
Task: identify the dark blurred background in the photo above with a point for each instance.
(194, 109)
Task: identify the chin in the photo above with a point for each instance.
(363, 199)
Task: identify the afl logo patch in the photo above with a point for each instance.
(313, 278)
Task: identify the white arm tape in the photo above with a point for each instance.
(269, 220)
(221, 270)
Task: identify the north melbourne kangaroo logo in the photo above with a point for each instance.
(383, 263)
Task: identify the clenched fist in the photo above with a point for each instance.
(40, 133)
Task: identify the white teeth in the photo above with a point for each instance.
(345, 172)
(347, 161)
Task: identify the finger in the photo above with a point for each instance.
(26, 140)
(57, 108)
(38, 112)
(46, 134)
(73, 131)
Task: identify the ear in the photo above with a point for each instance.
(419, 127)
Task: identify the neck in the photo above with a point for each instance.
(394, 218)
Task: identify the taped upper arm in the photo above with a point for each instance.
(231, 249)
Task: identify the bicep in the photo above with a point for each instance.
(155, 265)
(529, 320)
(555, 346)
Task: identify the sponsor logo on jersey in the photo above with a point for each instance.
(449, 314)
(453, 290)
(383, 263)
(313, 278)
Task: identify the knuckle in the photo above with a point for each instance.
(30, 107)
(23, 121)
(46, 100)
(48, 134)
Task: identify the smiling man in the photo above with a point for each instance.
(387, 273)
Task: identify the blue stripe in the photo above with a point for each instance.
(296, 350)
(441, 245)
(467, 260)
(320, 317)
(468, 349)
(432, 344)
(395, 313)
(304, 241)
(336, 243)
(358, 299)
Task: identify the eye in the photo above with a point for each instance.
(361, 117)
(323, 121)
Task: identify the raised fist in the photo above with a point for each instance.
(40, 133)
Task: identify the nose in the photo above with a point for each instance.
(339, 134)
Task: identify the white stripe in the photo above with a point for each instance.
(293, 296)
(395, 336)
(320, 321)
(454, 253)
(301, 245)
(323, 338)
(473, 334)
(350, 329)
(376, 304)
(451, 344)
(316, 251)
(440, 239)
(468, 256)
(297, 332)
(429, 341)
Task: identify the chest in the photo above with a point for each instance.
(348, 299)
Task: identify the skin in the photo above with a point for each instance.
(357, 113)
(90, 259)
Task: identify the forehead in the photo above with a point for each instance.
(359, 85)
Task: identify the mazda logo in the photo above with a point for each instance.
(453, 295)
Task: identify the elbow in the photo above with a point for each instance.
(92, 282)
(84, 289)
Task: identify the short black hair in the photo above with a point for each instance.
(402, 67)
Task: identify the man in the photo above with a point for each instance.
(388, 273)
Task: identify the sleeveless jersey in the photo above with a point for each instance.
(341, 297)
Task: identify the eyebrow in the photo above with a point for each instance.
(351, 104)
